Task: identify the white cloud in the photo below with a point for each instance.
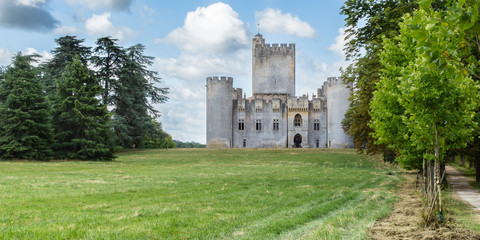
(45, 56)
(273, 20)
(146, 11)
(184, 117)
(32, 3)
(215, 28)
(66, 30)
(102, 4)
(5, 57)
(101, 26)
(196, 67)
(339, 44)
(213, 41)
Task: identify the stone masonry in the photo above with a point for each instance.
(274, 117)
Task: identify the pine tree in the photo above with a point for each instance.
(25, 129)
(108, 60)
(135, 93)
(81, 121)
(68, 48)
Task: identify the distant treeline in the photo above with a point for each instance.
(181, 144)
(84, 103)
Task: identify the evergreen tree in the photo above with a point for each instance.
(68, 48)
(136, 92)
(108, 59)
(25, 129)
(82, 122)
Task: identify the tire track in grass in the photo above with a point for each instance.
(283, 220)
(350, 221)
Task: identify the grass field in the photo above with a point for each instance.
(197, 194)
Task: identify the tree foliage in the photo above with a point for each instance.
(81, 120)
(135, 94)
(108, 60)
(367, 23)
(426, 101)
(119, 80)
(25, 129)
(68, 48)
(427, 84)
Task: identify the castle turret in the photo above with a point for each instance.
(219, 112)
(337, 94)
(273, 67)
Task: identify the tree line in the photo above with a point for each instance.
(84, 103)
(416, 81)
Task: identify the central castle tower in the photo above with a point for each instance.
(273, 68)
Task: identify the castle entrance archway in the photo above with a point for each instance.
(297, 140)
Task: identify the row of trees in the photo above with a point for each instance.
(81, 104)
(416, 89)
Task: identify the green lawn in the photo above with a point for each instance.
(197, 194)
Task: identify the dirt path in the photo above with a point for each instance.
(404, 220)
(461, 187)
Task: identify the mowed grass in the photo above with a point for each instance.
(197, 194)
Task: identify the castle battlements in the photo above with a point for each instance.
(275, 47)
(334, 80)
(222, 78)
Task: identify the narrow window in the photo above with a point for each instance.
(297, 121)
(316, 124)
(244, 143)
(258, 124)
(275, 124)
(241, 124)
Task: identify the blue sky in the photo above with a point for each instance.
(190, 41)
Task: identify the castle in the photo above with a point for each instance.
(274, 116)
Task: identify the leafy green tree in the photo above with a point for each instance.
(367, 23)
(81, 121)
(25, 129)
(135, 94)
(426, 100)
(109, 59)
(68, 47)
(157, 138)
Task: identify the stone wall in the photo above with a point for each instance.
(298, 106)
(265, 110)
(273, 68)
(337, 95)
(219, 112)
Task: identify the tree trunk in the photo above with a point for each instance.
(437, 172)
(462, 159)
(424, 178)
(477, 167)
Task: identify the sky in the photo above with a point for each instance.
(190, 41)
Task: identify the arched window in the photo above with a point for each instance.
(275, 124)
(258, 124)
(241, 124)
(297, 121)
(316, 124)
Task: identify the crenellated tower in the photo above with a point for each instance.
(219, 111)
(273, 68)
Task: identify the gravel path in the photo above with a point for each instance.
(461, 187)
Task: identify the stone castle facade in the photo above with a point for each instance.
(274, 116)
